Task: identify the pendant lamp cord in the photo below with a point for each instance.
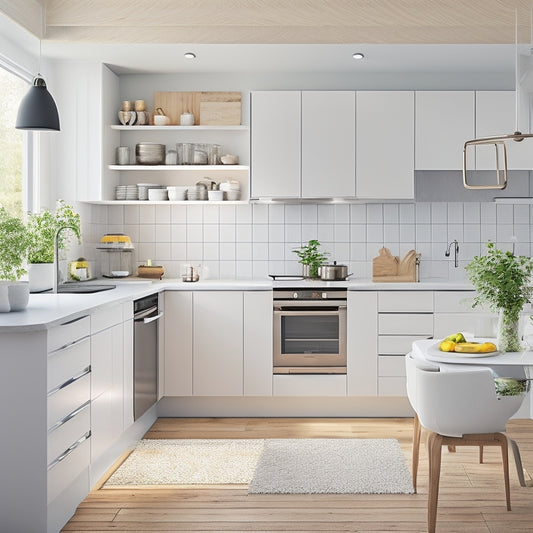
(517, 78)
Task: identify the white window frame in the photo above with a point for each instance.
(30, 167)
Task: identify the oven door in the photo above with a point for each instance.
(309, 337)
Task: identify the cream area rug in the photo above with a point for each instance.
(272, 466)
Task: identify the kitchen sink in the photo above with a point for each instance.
(82, 288)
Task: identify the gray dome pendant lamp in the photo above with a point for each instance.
(37, 110)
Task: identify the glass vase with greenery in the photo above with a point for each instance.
(502, 281)
(311, 257)
(42, 229)
(13, 246)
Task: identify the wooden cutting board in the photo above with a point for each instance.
(208, 108)
(387, 267)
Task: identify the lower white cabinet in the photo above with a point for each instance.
(310, 385)
(218, 343)
(107, 387)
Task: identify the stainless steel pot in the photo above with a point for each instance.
(333, 272)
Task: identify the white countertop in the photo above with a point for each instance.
(46, 310)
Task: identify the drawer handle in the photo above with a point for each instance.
(81, 339)
(73, 320)
(84, 372)
(69, 450)
(70, 416)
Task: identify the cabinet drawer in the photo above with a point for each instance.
(68, 332)
(310, 385)
(65, 471)
(68, 362)
(392, 386)
(106, 317)
(397, 344)
(405, 324)
(454, 302)
(391, 366)
(470, 324)
(405, 302)
(63, 436)
(66, 400)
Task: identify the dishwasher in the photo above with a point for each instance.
(145, 348)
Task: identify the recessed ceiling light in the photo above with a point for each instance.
(358, 55)
(189, 55)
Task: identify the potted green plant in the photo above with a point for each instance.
(42, 228)
(13, 248)
(311, 258)
(502, 281)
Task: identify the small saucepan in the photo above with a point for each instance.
(333, 272)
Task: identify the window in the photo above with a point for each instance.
(12, 143)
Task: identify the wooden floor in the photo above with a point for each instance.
(471, 495)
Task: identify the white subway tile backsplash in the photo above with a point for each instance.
(162, 214)
(326, 233)
(260, 269)
(472, 233)
(132, 231)
(276, 267)
(423, 233)
(243, 214)
(341, 233)
(472, 213)
(163, 252)
(211, 214)
(488, 213)
(326, 214)
(243, 251)
(341, 253)
(147, 233)
(468, 250)
(439, 213)
(243, 233)
(276, 233)
(504, 214)
(147, 214)
(342, 214)
(293, 233)
(521, 232)
(488, 233)
(394, 248)
(391, 214)
(455, 213)
(407, 213)
(523, 248)
(227, 233)
(439, 232)
(211, 233)
(195, 214)
(195, 252)
(309, 232)
(260, 251)
(293, 214)
(276, 214)
(131, 214)
(115, 215)
(260, 214)
(227, 251)
(455, 231)
(239, 269)
(407, 232)
(358, 214)
(504, 232)
(358, 233)
(178, 233)
(309, 214)
(178, 251)
(227, 214)
(276, 251)
(357, 252)
(422, 213)
(391, 233)
(178, 214)
(374, 214)
(145, 250)
(194, 233)
(211, 251)
(162, 233)
(260, 233)
(374, 233)
(521, 214)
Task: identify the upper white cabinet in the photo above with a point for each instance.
(328, 144)
(496, 115)
(444, 120)
(275, 143)
(384, 144)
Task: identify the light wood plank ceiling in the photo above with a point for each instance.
(288, 21)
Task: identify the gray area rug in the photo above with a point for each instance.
(331, 466)
(272, 466)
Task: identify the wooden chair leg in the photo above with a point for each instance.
(435, 442)
(502, 439)
(417, 430)
(481, 455)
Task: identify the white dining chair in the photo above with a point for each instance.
(457, 407)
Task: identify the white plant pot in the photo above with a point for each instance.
(18, 295)
(4, 297)
(41, 276)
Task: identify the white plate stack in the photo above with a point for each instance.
(126, 192)
(143, 189)
(196, 192)
(232, 190)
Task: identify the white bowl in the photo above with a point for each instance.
(215, 196)
(157, 195)
(175, 194)
(232, 195)
(229, 159)
(120, 273)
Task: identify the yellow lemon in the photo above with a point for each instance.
(447, 346)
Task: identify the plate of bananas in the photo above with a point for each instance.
(456, 345)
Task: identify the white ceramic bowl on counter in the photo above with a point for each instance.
(176, 193)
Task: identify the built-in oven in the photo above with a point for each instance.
(310, 331)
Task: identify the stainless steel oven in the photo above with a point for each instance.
(310, 331)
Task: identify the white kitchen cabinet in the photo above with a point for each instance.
(275, 144)
(258, 343)
(362, 343)
(328, 144)
(218, 343)
(178, 340)
(385, 137)
(309, 385)
(107, 365)
(496, 115)
(127, 310)
(444, 120)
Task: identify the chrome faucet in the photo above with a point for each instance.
(456, 251)
(56, 255)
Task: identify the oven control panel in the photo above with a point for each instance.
(310, 295)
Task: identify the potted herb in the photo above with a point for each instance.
(13, 247)
(42, 228)
(311, 258)
(502, 281)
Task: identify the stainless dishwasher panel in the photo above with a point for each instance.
(146, 316)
